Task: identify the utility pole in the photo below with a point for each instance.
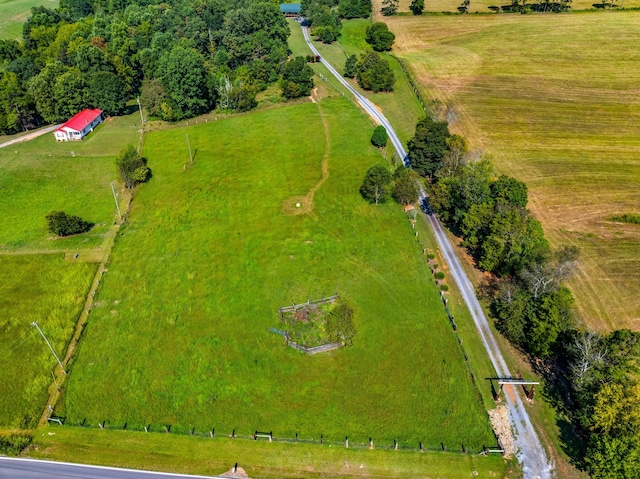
(115, 198)
(140, 110)
(188, 145)
(49, 344)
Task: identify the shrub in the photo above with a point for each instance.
(431, 256)
(62, 224)
(444, 287)
(380, 136)
(439, 275)
(13, 444)
(340, 327)
(632, 218)
(132, 168)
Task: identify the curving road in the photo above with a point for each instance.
(531, 454)
(30, 136)
(15, 468)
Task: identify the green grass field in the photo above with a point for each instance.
(48, 290)
(13, 13)
(180, 332)
(39, 176)
(557, 108)
(192, 455)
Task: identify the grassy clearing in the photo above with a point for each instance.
(558, 109)
(13, 13)
(39, 176)
(191, 455)
(220, 257)
(48, 290)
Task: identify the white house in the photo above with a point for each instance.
(79, 125)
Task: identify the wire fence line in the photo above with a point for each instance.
(459, 448)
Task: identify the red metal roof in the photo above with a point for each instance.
(80, 120)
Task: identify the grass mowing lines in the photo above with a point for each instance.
(181, 336)
(50, 291)
(558, 110)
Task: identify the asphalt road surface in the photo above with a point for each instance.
(17, 468)
(531, 453)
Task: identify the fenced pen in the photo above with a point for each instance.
(214, 434)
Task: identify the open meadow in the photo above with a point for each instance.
(43, 175)
(13, 13)
(180, 336)
(553, 105)
(51, 291)
(40, 280)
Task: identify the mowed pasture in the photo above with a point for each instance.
(48, 290)
(13, 14)
(553, 105)
(41, 175)
(180, 332)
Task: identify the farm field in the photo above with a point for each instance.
(493, 6)
(51, 291)
(180, 332)
(13, 14)
(41, 175)
(558, 109)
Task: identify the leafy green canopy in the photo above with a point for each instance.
(297, 78)
(62, 224)
(94, 54)
(374, 73)
(375, 186)
(380, 37)
(132, 169)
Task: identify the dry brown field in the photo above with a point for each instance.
(554, 100)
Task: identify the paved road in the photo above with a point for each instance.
(530, 451)
(29, 136)
(15, 468)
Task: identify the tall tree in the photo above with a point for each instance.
(389, 7)
(375, 186)
(107, 91)
(428, 146)
(379, 37)
(417, 7)
(185, 82)
(374, 73)
(297, 78)
(405, 189)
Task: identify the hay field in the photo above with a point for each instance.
(493, 6)
(180, 331)
(555, 100)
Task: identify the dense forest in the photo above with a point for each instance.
(181, 57)
(591, 378)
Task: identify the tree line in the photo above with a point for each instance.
(593, 377)
(183, 57)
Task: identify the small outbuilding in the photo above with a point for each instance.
(79, 125)
(290, 9)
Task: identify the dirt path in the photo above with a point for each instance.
(29, 136)
(298, 205)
